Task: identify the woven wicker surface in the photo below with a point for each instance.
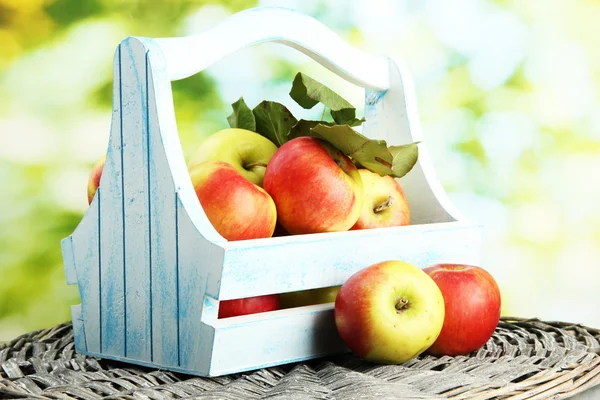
(525, 359)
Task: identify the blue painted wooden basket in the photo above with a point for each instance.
(150, 267)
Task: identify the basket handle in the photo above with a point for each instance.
(188, 55)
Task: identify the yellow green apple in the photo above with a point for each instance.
(237, 208)
(247, 151)
(384, 205)
(309, 297)
(389, 312)
(94, 178)
(315, 186)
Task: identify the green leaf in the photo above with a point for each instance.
(405, 158)
(307, 92)
(353, 121)
(274, 121)
(371, 154)
(242, 116)
(304, 127)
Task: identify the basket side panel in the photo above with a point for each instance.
(112, 271)
(319, 260)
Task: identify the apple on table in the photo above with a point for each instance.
(472, 302)
(316, 187)
(389, 312)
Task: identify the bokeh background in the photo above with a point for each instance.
(508, 96)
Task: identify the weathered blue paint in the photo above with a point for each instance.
(69, 261)
(136, 199)
(151, 269)
(86, 256)
(112, 211)
(163, 232)
(78, 328)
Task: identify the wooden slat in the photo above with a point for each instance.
(78, 328)
(261, 340)
(256, 267)
(86, 252)
(164, 268)
(138, 279)
(111, 230)
(69, 260)
(199, 264)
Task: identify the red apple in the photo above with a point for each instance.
(237, 208)
(94, 179)
(389, 312)
(472, 301)
(316, 188)
(385, 203)
(248, 305)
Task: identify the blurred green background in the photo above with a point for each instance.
(508, 96)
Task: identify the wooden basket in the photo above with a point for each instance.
(151, 269)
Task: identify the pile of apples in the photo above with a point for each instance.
(248, 187)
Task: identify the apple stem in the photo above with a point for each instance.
(256, 164)
(384, 205)
(401, 304)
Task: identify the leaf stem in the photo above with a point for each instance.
(323, 113)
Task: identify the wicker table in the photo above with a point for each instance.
(526, 359)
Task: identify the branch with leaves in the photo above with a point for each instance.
(275, 122)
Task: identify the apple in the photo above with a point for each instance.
(248, 305)
(237, 208)
(472, 303)
(384, 205)
(315, 186)
(94, 179)
(389, 312)
(309, 297)
(247, 151)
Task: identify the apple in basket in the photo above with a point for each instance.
(472, 303)
(389, 312)
(247, 151)
(309, 297)
(384, 204)
(94, 179)
(248, 305)
(237, 208)
(315, 186)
